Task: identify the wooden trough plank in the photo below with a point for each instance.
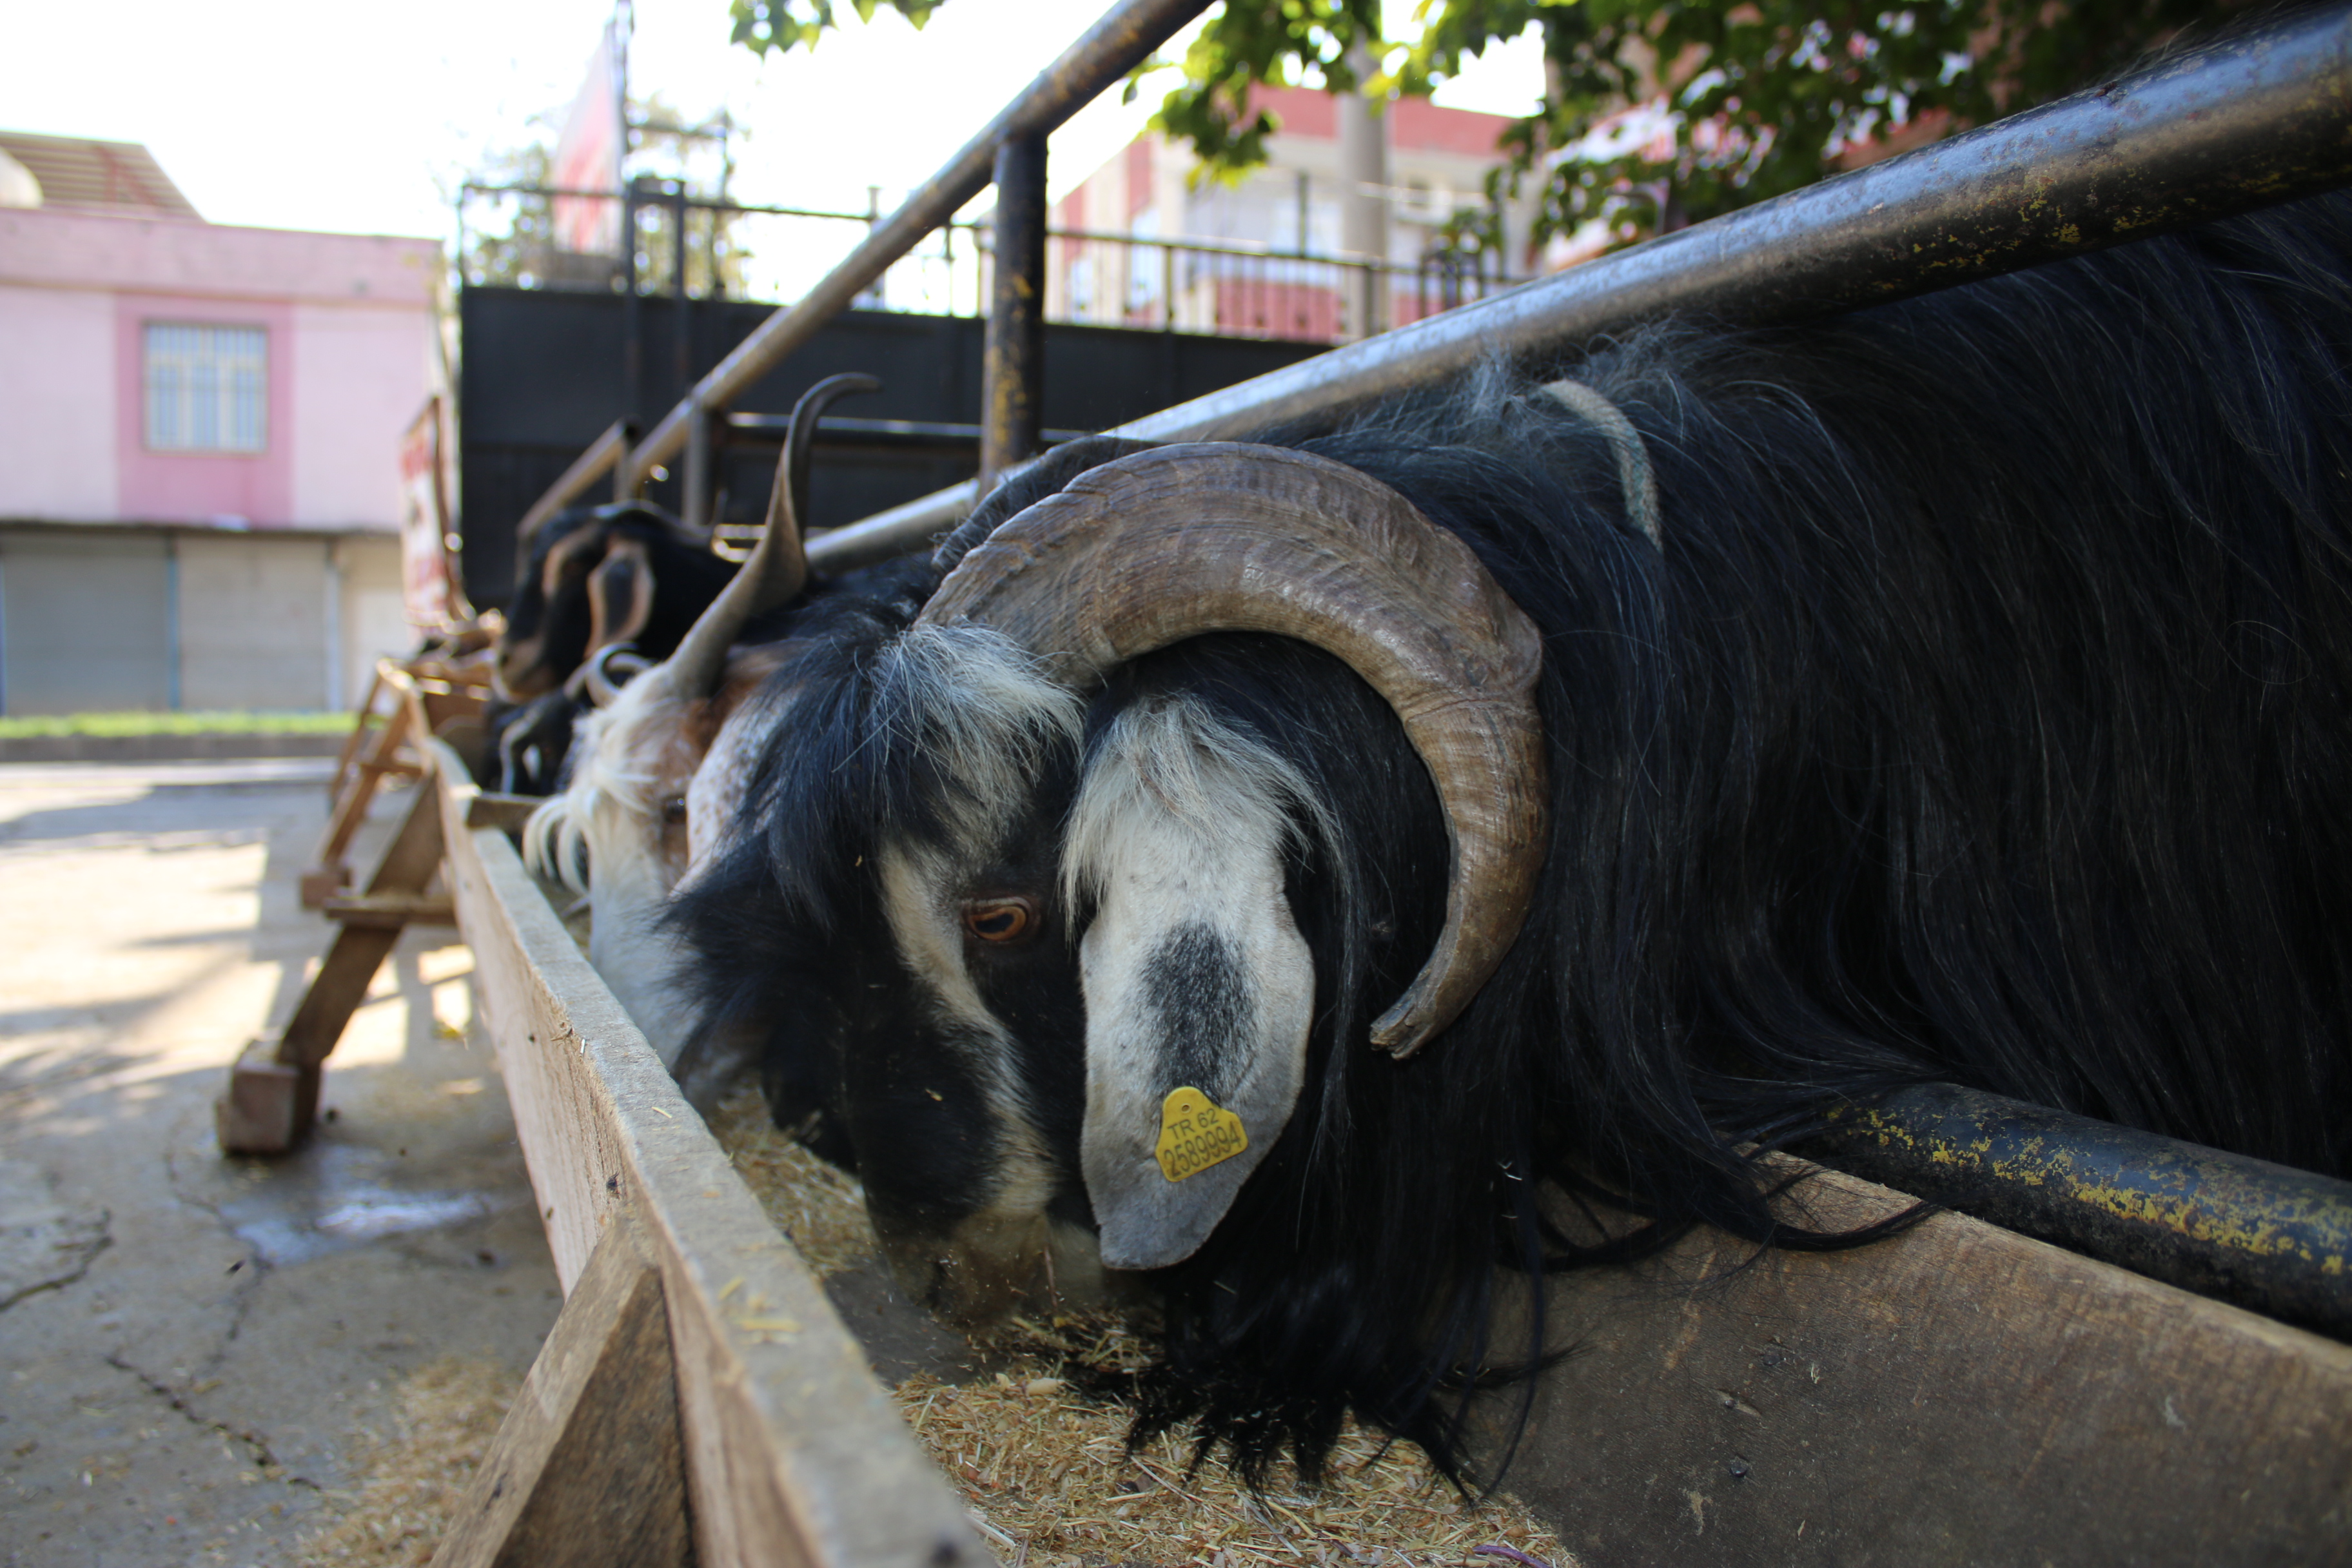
(794, 1453)
(1959, 1395)
(587, 1469)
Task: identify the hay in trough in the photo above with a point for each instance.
(821, 1211)
(1044, 1463)
(444, 1415)
(1046, 1469)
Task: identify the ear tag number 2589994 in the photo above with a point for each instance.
(1195, 1132)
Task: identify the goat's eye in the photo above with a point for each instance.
(1000, 919)
(672, 810)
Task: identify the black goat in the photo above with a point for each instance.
(1982, 714)
(598, 577)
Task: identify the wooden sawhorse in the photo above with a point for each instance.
(273, 1091)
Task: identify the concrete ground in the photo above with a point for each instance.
(194, 1351)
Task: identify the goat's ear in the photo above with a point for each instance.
(620, 594)
(1200, 990)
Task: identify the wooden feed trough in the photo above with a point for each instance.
(1957, 1395)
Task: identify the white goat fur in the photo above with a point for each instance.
(613, 836)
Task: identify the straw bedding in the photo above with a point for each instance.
(445, 1416)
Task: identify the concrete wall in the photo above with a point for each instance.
(56, 405)
(175, 256)
(360, 375)
(201, 580)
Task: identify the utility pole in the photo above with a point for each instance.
(1364, 197)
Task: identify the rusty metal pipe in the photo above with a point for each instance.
(1124, 37)
(2263, 1236)
(1012, 364)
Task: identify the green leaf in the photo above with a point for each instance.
(784, 26)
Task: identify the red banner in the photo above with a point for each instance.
(588, 157)
(429, 593)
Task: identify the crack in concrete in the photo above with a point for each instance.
(251, 1263)
(43, 1244)
(260, 1455)
(240, 1307)
(104, 1239)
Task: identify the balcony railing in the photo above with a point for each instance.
(731, 249)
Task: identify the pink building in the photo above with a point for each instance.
(200, 494)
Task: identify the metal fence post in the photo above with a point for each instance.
(632, 326)
(681, 327)
(1013, 360)
(625, 442)
(694, 506)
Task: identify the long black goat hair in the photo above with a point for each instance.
(1983, 717)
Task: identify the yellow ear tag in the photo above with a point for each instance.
(1196, 1133)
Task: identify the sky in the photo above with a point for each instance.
(364, 119)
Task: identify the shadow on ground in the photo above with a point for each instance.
(196, 1348)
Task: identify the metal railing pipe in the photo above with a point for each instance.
(1125, 37)
(2244, 123)
(2265, 1236)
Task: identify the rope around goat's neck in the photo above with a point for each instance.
(1632, 457)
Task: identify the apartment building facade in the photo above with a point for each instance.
(1293, 208)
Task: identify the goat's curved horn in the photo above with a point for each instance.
(1028, 485)
(1217, 536)
(777, 567)
(608, 669)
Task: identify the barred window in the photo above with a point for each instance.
(207, 388)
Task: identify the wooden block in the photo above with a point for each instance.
(266, 1109)
(506, 813)
(390, 911)
(414, 852)
(587, 1469)
(334, 993)
(320, 883)
(268, 1104)
(362, 722)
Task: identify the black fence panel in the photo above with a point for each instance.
(545, 372)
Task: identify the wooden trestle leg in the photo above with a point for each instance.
(273, 1089)
(589, 1468)
(368, 759)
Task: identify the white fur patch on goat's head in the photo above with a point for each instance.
(984, 713)
(984, 723)
(618, 833)
(1195, 974)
